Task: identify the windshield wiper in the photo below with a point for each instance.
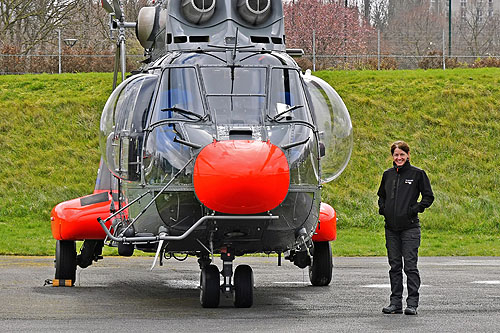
(279, 115)
(185, 113)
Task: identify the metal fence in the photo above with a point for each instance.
(55, 63)
(393, 61)
(50, 63)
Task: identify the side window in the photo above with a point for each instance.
(130, 113)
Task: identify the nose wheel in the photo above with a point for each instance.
(241, 290)
(243, 286)
(210, 287)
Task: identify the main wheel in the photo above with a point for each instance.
(66, 260)
(210, 287)
(243, 286)
(320, 271)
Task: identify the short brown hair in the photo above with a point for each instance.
(401, 145)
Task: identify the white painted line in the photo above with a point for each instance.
(386, 285)
(377, 286)
(487, 282)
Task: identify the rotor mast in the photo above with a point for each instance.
(118, 24)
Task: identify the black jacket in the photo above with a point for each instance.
(398, 194)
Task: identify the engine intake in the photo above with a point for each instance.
(254, 11)
(198, 11)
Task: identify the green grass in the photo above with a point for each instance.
(451, 119)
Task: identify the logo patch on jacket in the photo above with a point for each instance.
(408, 181)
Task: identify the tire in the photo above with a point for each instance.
(210, 287)
(243, 286)
(320, 272)
(66, 260)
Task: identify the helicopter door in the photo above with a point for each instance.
(130, 118)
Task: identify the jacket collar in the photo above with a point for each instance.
(403, 167)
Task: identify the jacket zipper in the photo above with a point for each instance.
(396, 194)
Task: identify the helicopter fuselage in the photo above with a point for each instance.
(232, 137)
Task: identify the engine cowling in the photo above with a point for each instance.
(150, 22)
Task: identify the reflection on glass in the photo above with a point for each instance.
(334, 125)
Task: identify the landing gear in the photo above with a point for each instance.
(242, 290)
(210, 286)
(126, 250)
(243, 286)
(320, 271)
(66, 260)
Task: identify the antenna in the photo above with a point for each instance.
(235, 44)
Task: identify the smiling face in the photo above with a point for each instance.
(400, 157)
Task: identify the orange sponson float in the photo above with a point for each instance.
(326, 229)
(77, 219)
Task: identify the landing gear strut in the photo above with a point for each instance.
(241, 290)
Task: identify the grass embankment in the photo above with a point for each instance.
(451, 119)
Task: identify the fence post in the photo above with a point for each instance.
(59, 47)
(378, 49)
(444, 57)
(314, 50)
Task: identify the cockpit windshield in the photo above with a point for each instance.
(236, 95)
(287, 94)
(179, 90)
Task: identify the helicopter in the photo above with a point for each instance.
(217, 146)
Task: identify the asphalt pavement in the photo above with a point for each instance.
(458, 294)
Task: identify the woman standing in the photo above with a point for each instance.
(398, 195)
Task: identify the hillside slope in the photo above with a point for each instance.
(49, 151)
(451, 119)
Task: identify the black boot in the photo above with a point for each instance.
(392, 309)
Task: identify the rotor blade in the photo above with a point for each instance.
(115, 72)
(107, 6)
(123, 58)
(117, 9)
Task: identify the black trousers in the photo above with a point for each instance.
(402, 252)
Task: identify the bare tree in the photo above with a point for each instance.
(29, 24)
(338, 30)
(416, 31)
(477, 27)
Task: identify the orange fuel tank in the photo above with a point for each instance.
(77, 219)
(327, 226)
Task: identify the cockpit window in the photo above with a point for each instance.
(236, 95)
(286, 93)
(179, 89)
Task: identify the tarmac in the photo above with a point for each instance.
(458, 294)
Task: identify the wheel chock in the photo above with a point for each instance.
(62, 283)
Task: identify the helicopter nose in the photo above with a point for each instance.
(241, 176)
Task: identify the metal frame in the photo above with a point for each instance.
(163, 237)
